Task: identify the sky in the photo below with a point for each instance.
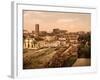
(72, 22)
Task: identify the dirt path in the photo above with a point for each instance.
(82, 62)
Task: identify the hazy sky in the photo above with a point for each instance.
(49, 20)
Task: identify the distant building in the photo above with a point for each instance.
(56, 30)
(63, 31)
(50, 38)
(73, 37)
(42, 33)
(25, 34)
(81, 32)
(36, 30)
(33, 32)
(62, 41)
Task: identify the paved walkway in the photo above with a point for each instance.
(82, 62)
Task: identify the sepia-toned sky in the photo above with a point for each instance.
(47, 21)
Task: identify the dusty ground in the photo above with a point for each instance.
(82, 62)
